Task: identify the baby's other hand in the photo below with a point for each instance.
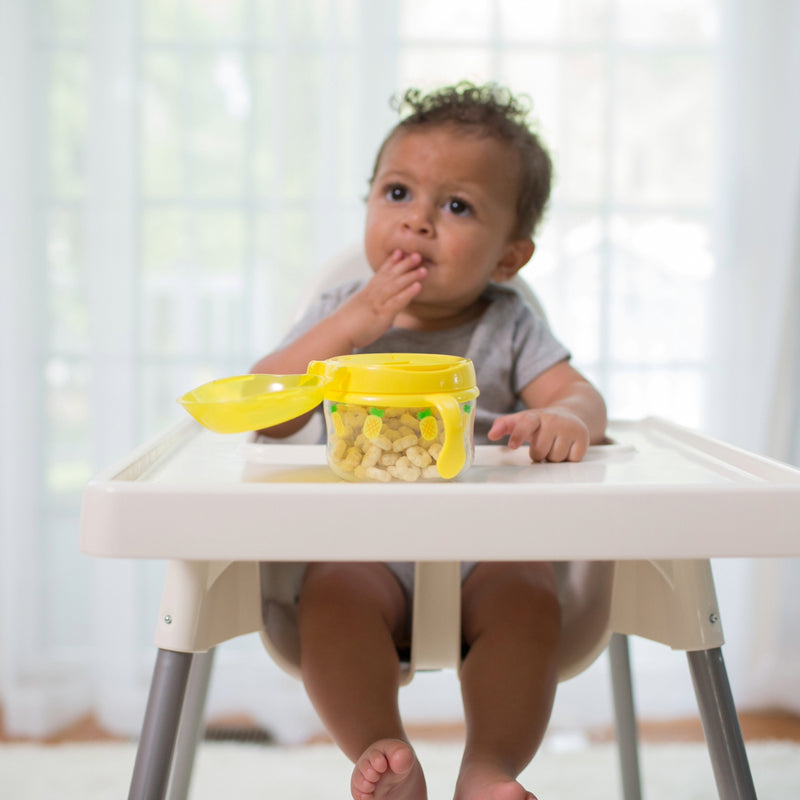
(394, 285)
(554, 434)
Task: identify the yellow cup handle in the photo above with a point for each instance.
(451, 459)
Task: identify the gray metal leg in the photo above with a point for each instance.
(160, 728)
(625, 715)
(190, 729)
(721, 725)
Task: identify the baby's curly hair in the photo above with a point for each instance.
(488, 110)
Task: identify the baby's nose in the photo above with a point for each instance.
(419, 220)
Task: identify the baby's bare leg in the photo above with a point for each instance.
(511, 620)
(350, 617)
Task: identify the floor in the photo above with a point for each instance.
(756, 726)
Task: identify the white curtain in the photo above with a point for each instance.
(18, 320)
(756, 387)
(158, 313)
(97, 341)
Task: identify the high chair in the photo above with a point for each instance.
(208, 601)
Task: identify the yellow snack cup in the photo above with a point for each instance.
(389, 416)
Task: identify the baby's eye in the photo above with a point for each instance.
(459, 207)
(396, 192)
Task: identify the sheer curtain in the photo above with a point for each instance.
(755, 396)
(174, 172)
(19, 516)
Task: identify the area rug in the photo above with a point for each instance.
(562, 771)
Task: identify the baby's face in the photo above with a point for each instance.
(450, 197)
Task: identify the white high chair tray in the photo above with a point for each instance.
(657, 491)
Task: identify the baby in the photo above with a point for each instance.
(458, 188)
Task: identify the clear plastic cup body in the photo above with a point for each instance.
(368, 441)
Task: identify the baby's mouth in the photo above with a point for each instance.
(424, 260)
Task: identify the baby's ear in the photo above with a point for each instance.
(516, 255)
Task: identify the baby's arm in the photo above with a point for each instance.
(358, 322)
(564, 415)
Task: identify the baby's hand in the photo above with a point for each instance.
(554, 434)
(372, 311)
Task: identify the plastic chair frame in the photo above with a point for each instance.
(672, 602)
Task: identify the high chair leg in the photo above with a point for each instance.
(625, 716)
(190, 729)
(159, 731)
(721, 725)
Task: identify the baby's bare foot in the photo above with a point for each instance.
(388, 769)
(482, 782)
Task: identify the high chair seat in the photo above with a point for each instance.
(585, 593)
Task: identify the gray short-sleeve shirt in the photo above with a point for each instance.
(509, 345)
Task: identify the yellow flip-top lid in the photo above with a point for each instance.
(249, 402)
(396, 373)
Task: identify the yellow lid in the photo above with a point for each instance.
(249, 402)
(396, 373)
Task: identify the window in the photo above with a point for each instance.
(623, 92)
(196, 161)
